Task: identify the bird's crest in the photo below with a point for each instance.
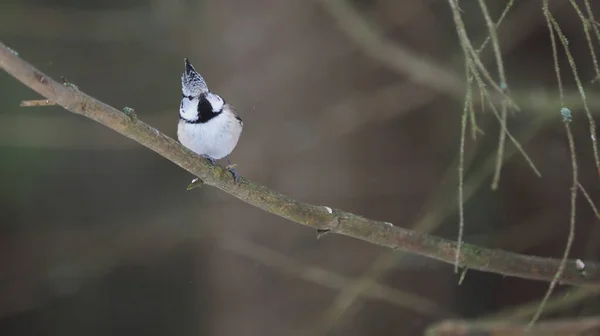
(192, 83)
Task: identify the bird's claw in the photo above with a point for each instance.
(231, 169)
(211, 160)
(196, 183)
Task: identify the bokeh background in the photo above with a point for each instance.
(350, 104)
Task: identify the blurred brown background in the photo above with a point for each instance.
(98, 235)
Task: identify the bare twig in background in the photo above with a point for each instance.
(405, 61)
(558, 302)
(473, 58)
(503, 84)
(398, 66)
(571, 237)
(567, 118)
(344, 302)
(501, 145)
(587, 24)
(594, 24)
(417, 67)
(471, 73)
(317, 217)
(493, 36)
(93, 259)
(471, 109)
(565, 43)
(325, 278)
(479, 72)
(468, 105)
(564, 327)
(503, 127)
(591, 245)
(435, 212)
(461, 167)
(37, 102)
(589, 200)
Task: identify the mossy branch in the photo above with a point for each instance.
(321, 218)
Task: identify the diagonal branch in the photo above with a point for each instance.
(321, 218)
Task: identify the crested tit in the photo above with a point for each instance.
(208, 125)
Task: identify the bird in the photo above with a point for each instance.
(208, 125)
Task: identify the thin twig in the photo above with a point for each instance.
(326, 278)
(472, 120)
(37, 102)
(504, 12)
(589, 200)
(472, 55)
(566, 114)
(495, 43)
(586, 29)
(344, 301)
(591, 245)
(503, 127)
(316, 217)
(595, 29)
(474, 127)
(558, 302)
(461, 168)
(563, 40)
(475, 65)
(501, 145)
(435, 212)
(567, 120)
(468, 109)
(420, 69)
(503, 85)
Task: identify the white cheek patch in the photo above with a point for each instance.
(215, 101)
(189, 109)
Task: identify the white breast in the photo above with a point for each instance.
(216, 138)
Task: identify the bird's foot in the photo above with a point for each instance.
(231, 169)
(213, 161)
(196, 183)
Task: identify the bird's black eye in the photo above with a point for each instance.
(188, 97)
